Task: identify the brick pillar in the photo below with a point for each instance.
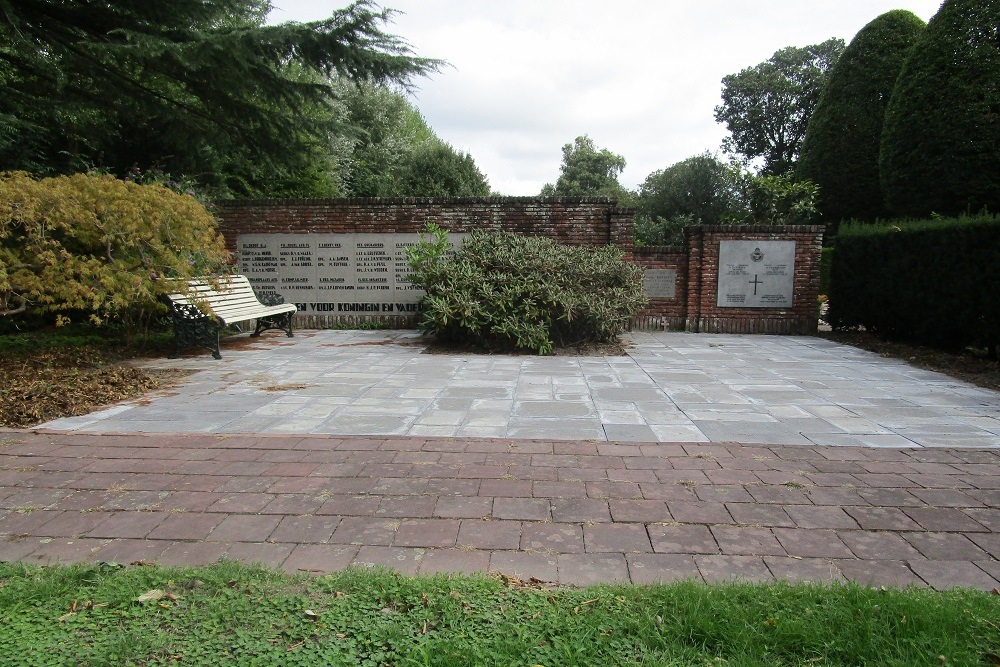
(694, 238)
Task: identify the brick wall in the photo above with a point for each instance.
(664, 313)
(576, 220)
(703, 313)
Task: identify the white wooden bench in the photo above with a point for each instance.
(207, 306)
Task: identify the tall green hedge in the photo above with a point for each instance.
(841, 148)
(941, 141)
(825, 265)
(935, 282)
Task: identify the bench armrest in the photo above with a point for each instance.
(269, 298)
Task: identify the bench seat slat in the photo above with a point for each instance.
(233, 316)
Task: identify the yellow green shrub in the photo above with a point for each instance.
(97, 246)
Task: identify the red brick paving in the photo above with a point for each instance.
(744, 541)
(715, 569)
(682, 539)
(490, 535)
(569, 512)
(590, 569)
(565, 538)
(404, 561)
(448, 561)
(523, 509)
(661, 568)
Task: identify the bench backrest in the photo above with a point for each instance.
(232, 300)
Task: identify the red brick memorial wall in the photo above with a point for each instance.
(753, 279)
(343, 260)
(666, 284)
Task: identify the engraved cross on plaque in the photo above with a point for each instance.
(755, 282)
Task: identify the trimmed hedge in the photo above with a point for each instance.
(825, 265)
(934, 282)
(940, 148)
(841, 148)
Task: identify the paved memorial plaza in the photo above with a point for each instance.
(707, 457)
(672, 387)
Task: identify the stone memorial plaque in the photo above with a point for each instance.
(659, 283)
(756, 274)
(333, 273)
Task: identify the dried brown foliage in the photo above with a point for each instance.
(39, 386)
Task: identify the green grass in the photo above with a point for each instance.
(234, 615)
(77, 337)
(27, 342)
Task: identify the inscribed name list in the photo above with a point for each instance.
(659, 283)
(333, 272)
(756, 274)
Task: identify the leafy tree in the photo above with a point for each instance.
(198, 87)
(704, 190)
(435, 169)
(387, 130)
(841, 148)
(766, 107)
(96, 245)
(588, 172)
(394, 153)
(774, 200)
(698, 190)
(940, 148)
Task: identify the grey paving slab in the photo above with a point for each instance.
(565, 429)
(751, 432)
(840, 439)
(629, 433)
(669, 387)
(554, 409)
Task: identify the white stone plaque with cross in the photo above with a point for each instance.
(756, 274)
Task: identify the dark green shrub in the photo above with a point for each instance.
(933, 282)
(825, 264)
(504, 291)
(660, 231)
(941, 141)
(841, 148)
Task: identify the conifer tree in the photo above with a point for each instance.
(841, 148)
(199, 87)
(940, 148)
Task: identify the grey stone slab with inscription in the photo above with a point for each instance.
(659, 283)
(333, 273)
(756, 274)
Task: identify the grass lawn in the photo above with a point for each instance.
(234, 615)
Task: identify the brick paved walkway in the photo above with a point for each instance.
(574, 512)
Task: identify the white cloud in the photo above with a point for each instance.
(641, 77)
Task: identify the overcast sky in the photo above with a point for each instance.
(641, 77)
